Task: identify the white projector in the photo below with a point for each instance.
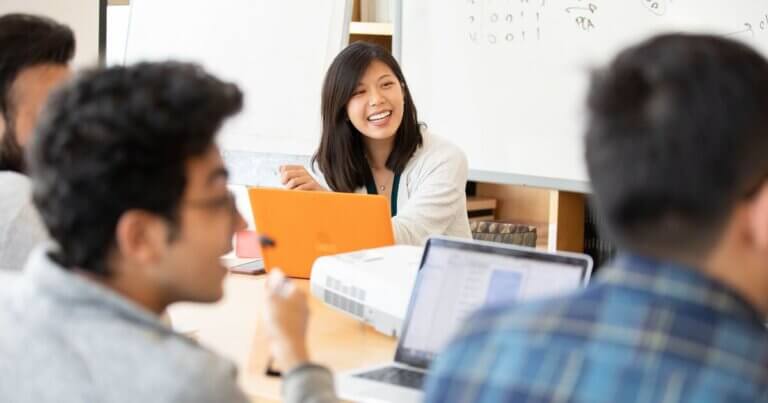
(372, 285)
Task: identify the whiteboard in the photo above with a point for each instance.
(117, 34)
(276, 51)
(82, 16)
(506, 80)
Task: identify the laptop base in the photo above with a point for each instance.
(351, 386)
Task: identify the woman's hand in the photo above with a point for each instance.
(296, 177)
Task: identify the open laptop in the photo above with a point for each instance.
(456, 277)
(305, 225)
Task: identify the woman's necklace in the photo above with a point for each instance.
(382, 186)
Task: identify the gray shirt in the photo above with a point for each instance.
(309, 383)
(20, 226)
(64, 338)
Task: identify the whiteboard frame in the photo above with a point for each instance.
(508, 178)
(103, 4)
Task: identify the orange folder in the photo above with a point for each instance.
(305, 225)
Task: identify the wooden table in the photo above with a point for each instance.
(231, 327)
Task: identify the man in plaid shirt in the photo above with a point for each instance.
(677, 152)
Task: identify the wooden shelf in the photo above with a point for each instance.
(481, 208)
(370, 28)
(480, 203)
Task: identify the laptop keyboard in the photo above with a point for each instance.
(395, 376)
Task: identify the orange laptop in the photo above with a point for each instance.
(305, 225)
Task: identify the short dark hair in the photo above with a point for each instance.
(341, 154)
(677, 136)
(119, 139)
(26, 41)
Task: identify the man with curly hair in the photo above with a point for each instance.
(130, 184)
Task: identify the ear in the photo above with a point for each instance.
(758, 217)
(141, 237)
(2, 125)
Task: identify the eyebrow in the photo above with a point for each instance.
(216, 174)
(383, 76)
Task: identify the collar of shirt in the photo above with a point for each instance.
(677, 282)
(44, 278)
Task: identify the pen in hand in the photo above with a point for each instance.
(267, 242)
(286, 316)
(277, 285)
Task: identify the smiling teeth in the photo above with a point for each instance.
(380, 116)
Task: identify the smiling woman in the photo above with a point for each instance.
(373, 142)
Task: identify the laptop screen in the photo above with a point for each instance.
(458, 277)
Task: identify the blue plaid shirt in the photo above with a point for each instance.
(644, 331)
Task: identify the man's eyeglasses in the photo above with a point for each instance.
(226, 202)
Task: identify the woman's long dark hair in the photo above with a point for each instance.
(341, 154)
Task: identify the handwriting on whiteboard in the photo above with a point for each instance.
(498, 22)
(584, 13)
(506, 22)
(756, 27)
(658, 7)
